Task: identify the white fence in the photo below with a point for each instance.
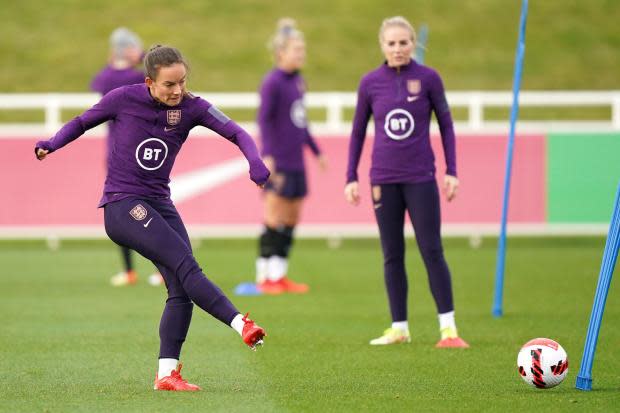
(336, 103)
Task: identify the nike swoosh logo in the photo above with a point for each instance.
(166, 129)
(148, 222)
(411, 98)
(377, 206)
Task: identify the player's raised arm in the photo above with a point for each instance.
(212, 118)
(104, 110)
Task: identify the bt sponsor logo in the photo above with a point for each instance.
(399, 124)
(151, 154)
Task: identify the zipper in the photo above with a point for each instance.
(398, 82)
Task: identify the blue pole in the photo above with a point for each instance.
(610, 254)
(514, 113)
(420, 47)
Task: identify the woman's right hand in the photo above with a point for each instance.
(41, 153)
(259, 173)
(352, 193)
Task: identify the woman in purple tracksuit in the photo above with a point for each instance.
(125, 54)
(284, 133)
(153, 121)
(400, 96)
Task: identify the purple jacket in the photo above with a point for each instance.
(401, 101)
(109, 79)
(282, 120)
(150, 135)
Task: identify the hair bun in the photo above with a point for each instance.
(286, 24)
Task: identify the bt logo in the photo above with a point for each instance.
(298, 114)
(399, 124)
(151, 154)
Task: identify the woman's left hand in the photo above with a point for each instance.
(322, 163)
(450, 186)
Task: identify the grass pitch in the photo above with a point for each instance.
(71, 343)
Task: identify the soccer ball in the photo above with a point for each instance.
(542, 363)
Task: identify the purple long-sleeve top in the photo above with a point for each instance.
(150, 135)
(282, 120)
(401, 101)
(110, 78)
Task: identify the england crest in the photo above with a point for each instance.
(174, 117)
(138, 212)
(414, 86)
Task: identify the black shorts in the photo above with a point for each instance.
(288, 184)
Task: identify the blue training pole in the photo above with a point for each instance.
(610, 254)
(514, 113)
(420, 47)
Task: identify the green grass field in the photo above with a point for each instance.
(71, 343)
(59, 47)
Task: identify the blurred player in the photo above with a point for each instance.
(153, 121)
(400, 96)
(284, 132)
(125, 54)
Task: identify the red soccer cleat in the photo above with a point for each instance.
(293, 287)
(271, 287)
(124, 278)
(252, 334)
(454, 342)
(174, 382)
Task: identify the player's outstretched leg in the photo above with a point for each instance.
(160, 236)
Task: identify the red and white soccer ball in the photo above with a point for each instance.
(542, 363)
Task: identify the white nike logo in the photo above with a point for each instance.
(411, 98)
(167, 129)
(148, 222)
(377, 206)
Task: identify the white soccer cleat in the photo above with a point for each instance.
(156, 280)
(124, 278)
(392, 336)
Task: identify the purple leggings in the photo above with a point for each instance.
(154, 229)
(421, 201)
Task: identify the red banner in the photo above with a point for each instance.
(214, 187)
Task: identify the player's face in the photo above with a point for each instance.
(293, 56)
(133, 55)
(169, 86)
(397, 46)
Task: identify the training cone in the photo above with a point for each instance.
(247, 289)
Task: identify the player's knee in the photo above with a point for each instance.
(187, 266)
(177, 296)
(264, 247)
(266, 243)
(283, 239)
(433, 253)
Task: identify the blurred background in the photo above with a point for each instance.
(70, 342)
(565, 161)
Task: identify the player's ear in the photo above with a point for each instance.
(149, 82)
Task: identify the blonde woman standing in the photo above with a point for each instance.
(400, 95)
(284, 133)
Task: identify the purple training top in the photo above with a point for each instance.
(150, 136)
(282, 120)
(109, 79)
(401, 100)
